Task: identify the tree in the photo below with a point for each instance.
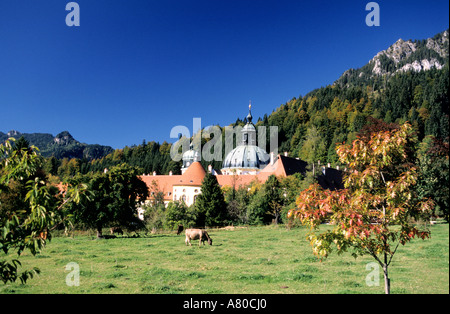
(115, 197)
(314, 147)
(154, 216)
(273, 192)
(291, 186)
(210, 203)
(237, 203)
(434, 178)
(29, 207)
(372, 214)
(267, 203)
(257, 209)
(178, 213)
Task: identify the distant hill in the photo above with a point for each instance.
(60, 146)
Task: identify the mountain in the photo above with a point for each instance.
(63, 145)
(401, 57)
(409, 81)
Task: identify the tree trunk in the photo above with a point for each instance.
(387, 281)
(99, 233)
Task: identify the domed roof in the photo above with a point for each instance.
(249, 127)
(246, 156)
(190, 156)
(194, 175)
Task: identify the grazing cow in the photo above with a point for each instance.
(194, 234)
(180, 229)
(116, 230)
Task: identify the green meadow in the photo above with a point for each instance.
(252, 260)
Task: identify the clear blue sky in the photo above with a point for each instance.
(134, 69)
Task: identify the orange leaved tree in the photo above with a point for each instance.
(373, 214)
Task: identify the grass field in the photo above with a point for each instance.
(255, 260)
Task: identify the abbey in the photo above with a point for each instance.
(242, 165)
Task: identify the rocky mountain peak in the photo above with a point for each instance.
(402, 56)
(439, 44)
(64, 138)
(13, 133)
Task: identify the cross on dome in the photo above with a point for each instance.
(249, 116)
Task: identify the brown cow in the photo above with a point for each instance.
(116, 230)
(180, 229)
(194, 234)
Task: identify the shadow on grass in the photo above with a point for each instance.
(138, 236)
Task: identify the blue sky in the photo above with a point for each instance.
(134, 69)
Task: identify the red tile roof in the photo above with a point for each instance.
(195, 174)
(192, 177)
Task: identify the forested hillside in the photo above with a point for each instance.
(310, 126)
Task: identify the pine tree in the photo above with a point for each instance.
(210, 204)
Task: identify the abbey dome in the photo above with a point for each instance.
(189, 157)
(246, 157)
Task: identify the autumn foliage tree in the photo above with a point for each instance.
(372, 215)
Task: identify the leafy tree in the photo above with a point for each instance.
(291, 187)
(257, 209)
(115, 197)
(179, 213)
(21, 143)
(267, 203)
(237, 205)
(210, 204)
(29, 207)
(176, 214)
(372, 214)
(273, 192)
(434, 178)
(313, 147)
(156, 195)
(154, 216)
